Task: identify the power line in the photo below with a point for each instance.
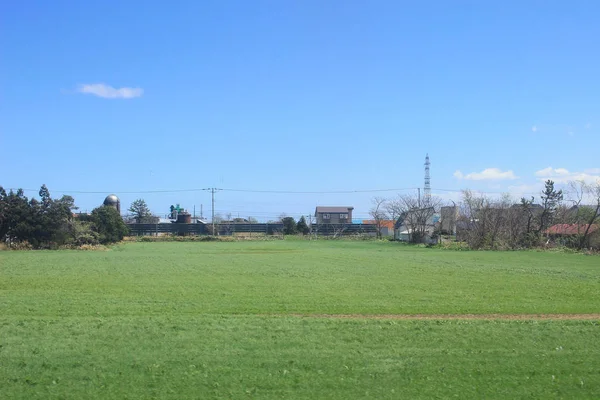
(261, 191)
(212, 192)
(111, 191)
(226, 190)
(317, 192)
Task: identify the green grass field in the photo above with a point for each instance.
(259, 320)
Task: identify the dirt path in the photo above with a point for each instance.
(510, 317)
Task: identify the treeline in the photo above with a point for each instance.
(485, 222)
(569, 218)
(556, 217)
(51, 223)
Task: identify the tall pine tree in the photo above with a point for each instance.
(551, 199)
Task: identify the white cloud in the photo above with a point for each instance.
(549, 172)
(109, 92)
(488, 174)
(563, 175)
(534, 128)
(525, 190)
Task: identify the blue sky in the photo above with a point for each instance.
(311, 96)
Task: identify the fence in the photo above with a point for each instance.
(224, 229)
(344, 229)
(227, 229)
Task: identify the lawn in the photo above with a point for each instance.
(251, 320)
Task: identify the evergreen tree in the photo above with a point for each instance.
(3, 214)
(43, 224)
(551, 199)
(302, 226)
(141, 212)
(289, 225)
(108, 224)
(18, 217)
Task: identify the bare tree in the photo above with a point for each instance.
(216, 223)
(378, 213)
(418, 219)
(473, 219)
(227, 225)
(338, 229)
(394, 208)
(218, 218)
(574, 213)
(593, 190)
(489, 222)
(530, 213)
(498, 220)
(486, 222)
(576, 192)
(516, 217)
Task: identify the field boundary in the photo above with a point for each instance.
(509, 317)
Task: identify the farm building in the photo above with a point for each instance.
(569, 234)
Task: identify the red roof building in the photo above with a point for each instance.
(570, 229)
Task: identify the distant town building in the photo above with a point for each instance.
(386, 226)
(333, 215)
(448, 218)
(417, 225)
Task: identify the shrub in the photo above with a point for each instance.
(109, 225)
(23, 245)
(83, 234)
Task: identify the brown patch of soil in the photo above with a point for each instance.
(510, 317)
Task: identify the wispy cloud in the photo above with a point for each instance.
(488, 174)
(559, 129)
(563, 175)
(109, 92)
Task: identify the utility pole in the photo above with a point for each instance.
(311, 226)
(212, 192)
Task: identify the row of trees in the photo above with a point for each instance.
(479, 220)
(50, 223)
(486, 222)
(291, 227)
(416, 213)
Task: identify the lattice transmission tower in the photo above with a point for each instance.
(427, 189)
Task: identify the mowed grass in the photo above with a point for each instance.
(219, 320)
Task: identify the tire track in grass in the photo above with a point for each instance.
(509, 317)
